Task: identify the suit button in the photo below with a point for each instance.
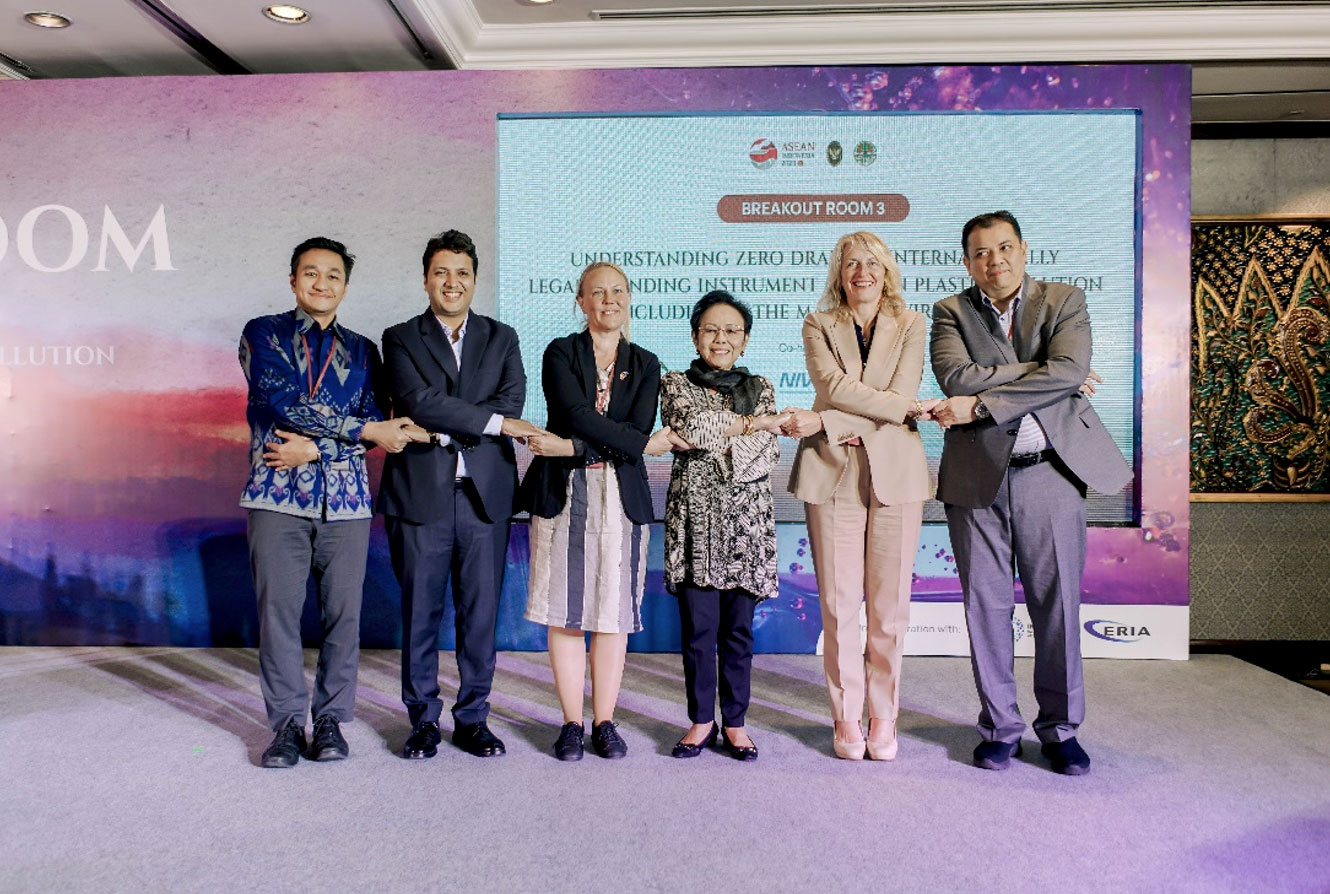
(1012, 432)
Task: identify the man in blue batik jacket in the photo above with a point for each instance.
(311, 413)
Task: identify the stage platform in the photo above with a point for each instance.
(135, 770)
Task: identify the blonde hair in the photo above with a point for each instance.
(893, 292)
(628, 284)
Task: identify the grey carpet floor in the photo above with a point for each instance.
(135, 770)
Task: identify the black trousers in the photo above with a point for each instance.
(467, 550)
(717, 629)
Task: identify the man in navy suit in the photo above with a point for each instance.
(447, 503)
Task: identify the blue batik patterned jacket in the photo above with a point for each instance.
(274, 355)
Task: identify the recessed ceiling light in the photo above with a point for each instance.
(287, 15)
(539, 2)
(47, 19)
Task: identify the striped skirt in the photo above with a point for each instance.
(588, 564)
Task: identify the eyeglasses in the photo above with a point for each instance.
(713, 331)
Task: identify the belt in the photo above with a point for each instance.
(1024, 460)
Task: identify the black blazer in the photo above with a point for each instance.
(568, 377)
(427, 386)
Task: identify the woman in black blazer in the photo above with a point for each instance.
(590, 505)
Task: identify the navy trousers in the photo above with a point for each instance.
(717, 628)
(467, 550)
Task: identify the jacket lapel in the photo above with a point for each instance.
(1025, 334)
(619, 383)
(846, 346)
(431, 333)
(987, 321)
(473, 346)
(886, 336)
(585, 355)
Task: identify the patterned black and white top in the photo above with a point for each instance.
(720, 522)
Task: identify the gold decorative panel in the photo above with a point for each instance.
(1260, 400)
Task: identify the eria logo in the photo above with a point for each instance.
(1116, 631)
(762, 153)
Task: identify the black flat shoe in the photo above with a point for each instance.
(423, 741)
(607, 742)
(693, 749)
(739, 752)
(569, 746)
(476, 739)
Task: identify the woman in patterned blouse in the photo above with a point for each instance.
(720, 524)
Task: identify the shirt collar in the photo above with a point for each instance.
(461, 330)
(304, 323)
(1011, 308)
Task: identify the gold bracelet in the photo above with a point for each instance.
(748, 425)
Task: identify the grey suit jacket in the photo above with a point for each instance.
(1038, 371)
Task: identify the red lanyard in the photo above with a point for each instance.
(309, 366)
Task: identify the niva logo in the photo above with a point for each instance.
(1116, 631)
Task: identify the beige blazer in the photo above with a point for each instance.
(864, 400)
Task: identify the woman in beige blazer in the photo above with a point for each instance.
(861, 472)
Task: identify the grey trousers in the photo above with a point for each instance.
(283, 551)
(1035, 527)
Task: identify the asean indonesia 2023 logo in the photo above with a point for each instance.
(762, 153)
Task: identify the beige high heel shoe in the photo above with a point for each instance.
(848, 749)
(881, 751)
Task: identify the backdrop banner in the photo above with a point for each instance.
(143, 221)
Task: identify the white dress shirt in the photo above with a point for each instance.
(495, 425)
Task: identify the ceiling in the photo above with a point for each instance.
(1259, 65)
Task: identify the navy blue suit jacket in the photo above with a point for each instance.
(427, 386)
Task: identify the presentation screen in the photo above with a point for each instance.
(754, 204)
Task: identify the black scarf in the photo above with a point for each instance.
(743, 387)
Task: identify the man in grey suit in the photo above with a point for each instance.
(1021, 446)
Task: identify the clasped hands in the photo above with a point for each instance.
(801, 424)
(295, 449)
(391, 434)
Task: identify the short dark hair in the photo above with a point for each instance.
(450, 240)
(983, 222)
(719, 296)
(323, 242)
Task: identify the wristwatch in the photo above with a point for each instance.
(981, 411)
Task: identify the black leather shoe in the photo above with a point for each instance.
(286, 747)
(1068, 757)
(996, 755)
(423, 741)
(476, 739)
(568, 747)
(739, 752)
(607, 742)
(328, 744)
(693, 749)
